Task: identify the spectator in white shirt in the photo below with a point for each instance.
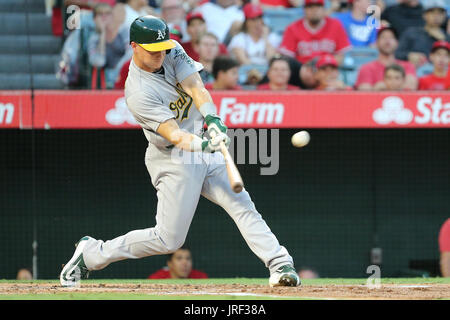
(222, 18)
(254, 45)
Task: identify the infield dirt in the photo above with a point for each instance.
(386, 291)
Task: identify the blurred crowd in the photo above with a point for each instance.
(267, 44)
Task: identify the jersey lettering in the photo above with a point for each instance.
(182, 105)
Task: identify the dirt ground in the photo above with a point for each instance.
(386, 291)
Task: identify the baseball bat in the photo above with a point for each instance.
(234, 176)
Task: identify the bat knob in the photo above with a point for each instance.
(238, 188)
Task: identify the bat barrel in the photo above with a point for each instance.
(234, 177)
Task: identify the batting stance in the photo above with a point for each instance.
(166, 95)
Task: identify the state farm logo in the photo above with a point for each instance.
(6, 113)
(120, 114)
(392, 110)
(430, 111)
(252, 113)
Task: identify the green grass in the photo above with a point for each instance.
(140, 296)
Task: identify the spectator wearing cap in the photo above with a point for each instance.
(278, 75)
(357, 25)
(370, 76)
(254, 44)
(394, 77)
(328, 74)
(196, 27)
(314, 35)
(444, 248)
(223, 18)
(440, 59)
(225, 72)
(416, 42)
(407, 13)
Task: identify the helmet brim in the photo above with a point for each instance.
(158, 46)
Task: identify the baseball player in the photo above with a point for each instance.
(166, 95)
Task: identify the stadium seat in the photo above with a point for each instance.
(278, 19)
(26, 30)
(22, 6)
(22, 81)
(353, 60)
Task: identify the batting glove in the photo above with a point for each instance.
(212, 145)
(215, 125)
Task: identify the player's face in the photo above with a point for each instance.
(394, 80)
(440, 58)
(279, 72)
(181, 263)
(196, 28)
(147, 60)
(314, 13)
(387, 43)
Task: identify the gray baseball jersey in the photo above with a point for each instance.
(154, 98)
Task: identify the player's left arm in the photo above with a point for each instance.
(193, 86)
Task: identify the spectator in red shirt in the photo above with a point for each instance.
(196, 27)
(179, 266)
(225, 72)
(371, 75)
(444, 248)
(440, 59)
(314, 35)
(328, 74)
(394, 77)
(278, 74)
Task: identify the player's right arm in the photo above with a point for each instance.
(170, 130)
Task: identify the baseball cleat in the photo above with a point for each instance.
(75, 270)
(285, 276)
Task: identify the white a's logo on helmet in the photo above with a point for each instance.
(161, 35)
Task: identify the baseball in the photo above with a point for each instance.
(300, 139)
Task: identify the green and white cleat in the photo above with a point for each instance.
(285, 276)
(75, 270)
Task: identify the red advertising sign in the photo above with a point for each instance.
(15, 109)
(239, 109)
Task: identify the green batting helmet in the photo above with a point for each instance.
(151, 33)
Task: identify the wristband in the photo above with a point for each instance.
(207, 108)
